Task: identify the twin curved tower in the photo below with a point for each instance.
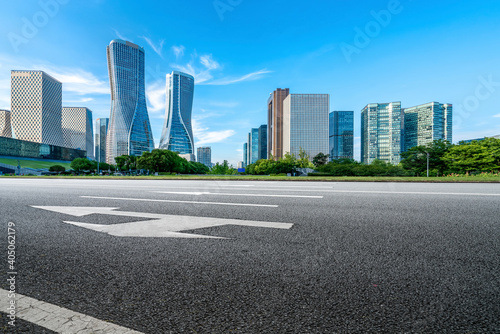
(177, 133)
(129, 130)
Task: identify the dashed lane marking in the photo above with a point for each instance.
(58, 319)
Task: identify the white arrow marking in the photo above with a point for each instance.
(163, 226)
(198, 193)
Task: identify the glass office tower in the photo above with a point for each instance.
(262, 142)
(245, 154)
(177, 134)
(129, 130)
(426, 123)
(382, 132)
(341, 129)
(305, 124)
(101, 131)
(253, 146)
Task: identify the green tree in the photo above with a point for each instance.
(57, 168)
(303, 160)
(320, 159)
(223, 169)
(415, 158)
(81, 164)
(474, 156)
(162, 161)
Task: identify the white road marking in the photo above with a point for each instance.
(175, 201)
(410, 193)
(162, 226)
(58, 319)
(199, 193)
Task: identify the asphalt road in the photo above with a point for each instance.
(359, 258)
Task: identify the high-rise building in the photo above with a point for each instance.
(341, 130)
(253, 144)
(245, 154)
(129, 130)
(262, 142)
(77, 129)
(204, 155)
(36, 100)
(5, 125)
(427, 122)
(275, 123)
(177, 134)
(305, 124)
(382, 132)
(101, 131)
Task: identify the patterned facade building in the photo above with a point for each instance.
(341, 131)
(275, 123)
(5, 124)
(36, 100)
(100, 134)
(382, 132)
(204, 155)
(177, 133)
(427, 122)
(77, 129)
(129, 130)
(305, 124)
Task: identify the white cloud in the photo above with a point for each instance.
(157, 48)
(208, 62)
(202, 68)
(83, 100)
(155, 94)
(120, 36)
(178, 51)
(498, 115)
(76, 80)
(247, 77)
(203, 136)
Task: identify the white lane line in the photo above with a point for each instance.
(58, 319)
(410, 193)
(187, 202)
(199, 193)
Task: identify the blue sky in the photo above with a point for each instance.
(239, 51)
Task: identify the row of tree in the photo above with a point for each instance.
(443, 158)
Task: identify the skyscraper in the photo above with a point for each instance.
(77, 129)
(382, 132)
(341, 130)
(275, 123)
(36, 100)
(262, 142)
(245, 154)
(5, 125)
(177, 134)
(204, 155)
(426, 123)
(101, 131)
(129, 130)
(305, 124)
(253, 144)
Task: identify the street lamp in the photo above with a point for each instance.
(427, 163)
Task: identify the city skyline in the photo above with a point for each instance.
(234, 78)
